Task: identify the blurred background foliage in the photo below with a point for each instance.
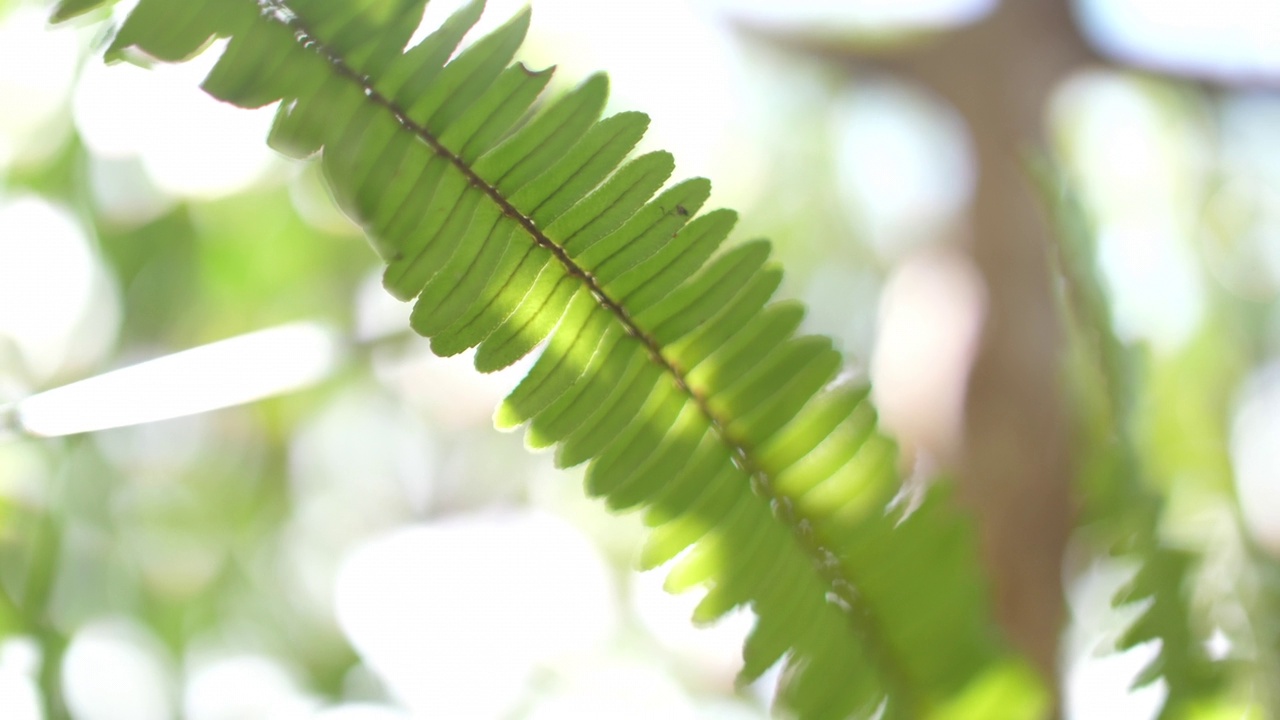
(368, 549)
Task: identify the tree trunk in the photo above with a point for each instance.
(1015, 471)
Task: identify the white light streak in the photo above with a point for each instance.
(218, 375)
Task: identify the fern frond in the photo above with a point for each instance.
(666, 367)
(68, 9)
(1119, 505)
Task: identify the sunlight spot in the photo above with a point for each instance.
(20, 659)
(25, 471)
(176, 565)
(448, 388)
(1248, 136)
(496, 12)
(712, 653)
(1097, 679)
(218, 375)
(717, 709)
(40, 65)
(57, 303)
(669, 59)
(117, 670)
(1218, 647)
(905, 164)
(21, 655)
(663, 58)
(362, 711)
(1157, 292)
(930, 322)
(244, 686)
(1255, 453)
(1243, 217)
(314, 203)
(158, 453)
(456, 616)
(618, 691)
(1132, 152)
(833, 16)
(123, 193)
(366, 451)
(1098, 686)
(765, 689)
(843, 299)
(666, 58)
(1229, 37)
(1138, 165)
(378, 313)
(19, 696)
(360, 465)
(190, 144)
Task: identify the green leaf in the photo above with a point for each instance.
(467, 78)
(515, 222)
(531, 321)
(68, 9)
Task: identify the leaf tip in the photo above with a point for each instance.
(506, 418)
